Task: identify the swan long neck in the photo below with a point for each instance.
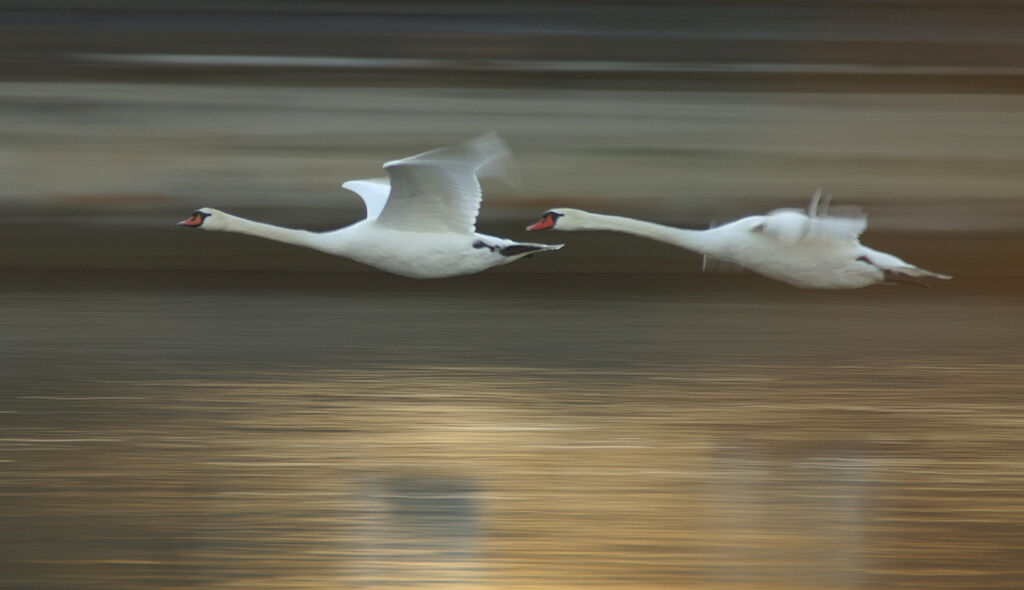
(298, 237)
(692, 239)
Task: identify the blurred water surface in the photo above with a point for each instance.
(509, 436)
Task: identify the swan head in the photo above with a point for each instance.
(205, 218)
(561, 219)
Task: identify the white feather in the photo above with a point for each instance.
(373, 191)
(438, 190)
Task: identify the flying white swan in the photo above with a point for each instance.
(420, 221)
(811, 250)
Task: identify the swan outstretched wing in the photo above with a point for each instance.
(847, 228)
(373, 191)
(439, 190)
(792, 225)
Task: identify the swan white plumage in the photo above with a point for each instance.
(420, 221)
(811, 250)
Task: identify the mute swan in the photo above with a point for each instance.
(808, 250)
(420, 221)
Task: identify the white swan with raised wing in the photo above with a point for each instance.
(805, 249)
(420, 221)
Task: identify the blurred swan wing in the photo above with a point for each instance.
(844, 223)
(793, 225)
(848, 225)
(439, 190)
(373, 191)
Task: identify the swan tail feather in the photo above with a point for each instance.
(912, 275)
(917, 272)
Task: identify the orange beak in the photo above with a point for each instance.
(193, 221)
(546, 222)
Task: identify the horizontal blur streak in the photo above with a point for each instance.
(622, 67)
(931, 161)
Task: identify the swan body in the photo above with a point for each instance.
(420, 221)
(805, 249)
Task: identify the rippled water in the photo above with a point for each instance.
(511, 438)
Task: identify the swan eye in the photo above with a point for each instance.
(547, 221)
(551, 217)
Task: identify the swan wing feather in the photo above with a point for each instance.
(373, 191)
(439, 190)
(842, 228)
(793, 225)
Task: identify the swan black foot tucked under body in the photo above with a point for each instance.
(513, 250)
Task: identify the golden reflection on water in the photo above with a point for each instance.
(903, 474)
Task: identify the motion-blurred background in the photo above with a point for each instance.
(185, 408)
